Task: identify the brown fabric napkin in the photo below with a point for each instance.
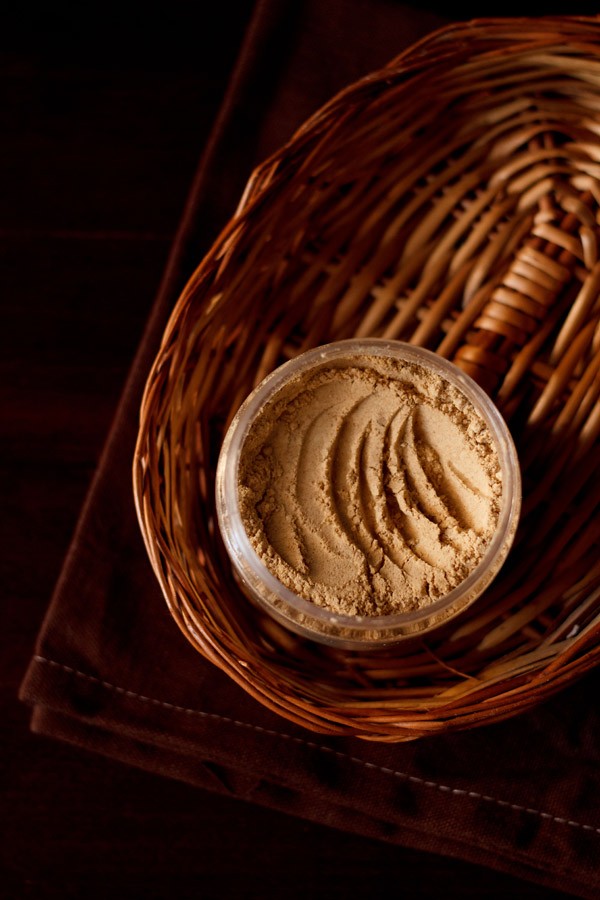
(111, 671)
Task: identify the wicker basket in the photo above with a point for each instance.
(451, 200)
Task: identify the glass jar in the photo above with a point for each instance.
(302, 615)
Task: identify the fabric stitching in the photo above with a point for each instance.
(323, 748)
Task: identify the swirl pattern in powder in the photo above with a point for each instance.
(370, 487)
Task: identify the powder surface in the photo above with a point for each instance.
(370, 486)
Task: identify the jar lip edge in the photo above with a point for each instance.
(244, 556)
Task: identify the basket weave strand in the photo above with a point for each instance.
(451, 200)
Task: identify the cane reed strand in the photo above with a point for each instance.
(451, 200)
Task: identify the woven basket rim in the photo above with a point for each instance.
(269, 665)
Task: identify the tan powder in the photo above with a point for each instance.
(370, 487)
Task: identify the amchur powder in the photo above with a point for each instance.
(369, 486)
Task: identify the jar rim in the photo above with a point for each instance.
(305, 617)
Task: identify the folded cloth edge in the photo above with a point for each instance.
(204, 773)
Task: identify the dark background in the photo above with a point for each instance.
(104, 111)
